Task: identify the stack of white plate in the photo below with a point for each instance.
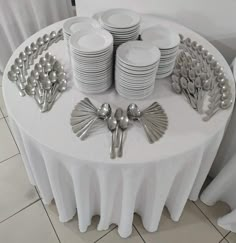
(91, 59)
(123, 24)
(136, 68)
(168, 43)
(75, 24)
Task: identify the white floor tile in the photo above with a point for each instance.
(113, 237)
(215, 212)
(193, 227)
(69, 232)
(28, 226)
(231, 238)
(2, 104)
(1, 115)
(0, 79)
(16, 191)
(7, 145)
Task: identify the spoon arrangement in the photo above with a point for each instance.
(47, 79)
(153, 119)
(85, 116)
(196, 75)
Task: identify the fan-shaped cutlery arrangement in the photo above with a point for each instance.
(198, 75)
(153, 119)
(86, 115)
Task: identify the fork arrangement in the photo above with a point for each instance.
(196, 75)
(85, 116)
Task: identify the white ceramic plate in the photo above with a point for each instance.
(75, 24)
(160, 36)
(120, 18)
(138, 53)
(91, 41)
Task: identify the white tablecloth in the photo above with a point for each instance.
(222, 188)
(19, 19)
(81, 176)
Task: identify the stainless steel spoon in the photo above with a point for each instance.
(123, 124)
(112, 125)
(14, 78)
(103, 113)
(118, 114)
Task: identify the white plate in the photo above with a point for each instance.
(135, 72)
(120, 18)
(160, 36)
(122, 31)
(91, 41)
(144, 68)
(164, 75)
(138, 53)
(95, 53)
(75, 24)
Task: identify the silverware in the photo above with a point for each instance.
(19, 64)
(85, 110)
(225, 104)
(28, 52)
(52, 37)
(40, 44)
(103, 113)
(23, 57)
(112, 125)
(60, 88)
(34, 49)
(14, 78)
(46, 40)
(204, 77)
(153, 119)
(118, 114)
(17, 71)
(123, 125)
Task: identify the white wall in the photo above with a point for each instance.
(213, 19)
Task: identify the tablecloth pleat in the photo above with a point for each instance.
(112, 192)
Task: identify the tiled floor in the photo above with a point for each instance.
(24, 218)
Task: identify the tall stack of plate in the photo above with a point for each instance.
(123, 24)
(168, 43)
(75, 24)
(136, 68)
(92, 60)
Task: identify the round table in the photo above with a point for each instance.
(80, 175)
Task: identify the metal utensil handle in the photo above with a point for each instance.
(149, 135)
(85, 132)
(112, 150)
(120, 148)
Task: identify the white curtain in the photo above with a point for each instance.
(19, 19)
(222, 188)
